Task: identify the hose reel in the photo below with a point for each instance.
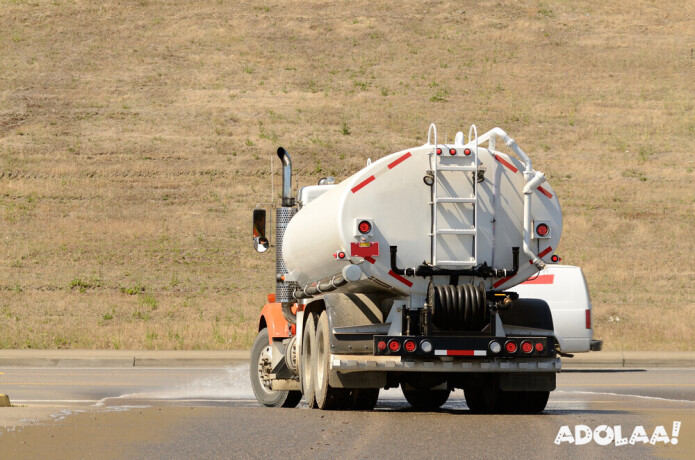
(460, 307)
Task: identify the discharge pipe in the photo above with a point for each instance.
(533, 180)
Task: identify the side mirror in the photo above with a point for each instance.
(260, 242)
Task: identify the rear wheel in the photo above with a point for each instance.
(260, 370)
(534, 402)
(488, 399)
(426, 399)
(364, 398)
(305, 362)
(327, 397)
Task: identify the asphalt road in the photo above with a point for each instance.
(211, 413)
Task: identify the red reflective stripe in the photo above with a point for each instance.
(502, 281)
(506, 163)
(545, 192)
(399, 161)
(357, 187)
(460, 352)
(541, 279)
(400, 278)
(370, 260)
(588, 319)
(543, 253)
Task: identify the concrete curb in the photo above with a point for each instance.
(195, 358)
(631, 359)
(120, 358)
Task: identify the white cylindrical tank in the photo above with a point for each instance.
(479, 219)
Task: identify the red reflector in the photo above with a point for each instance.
(409, 345)
(588, 319)
(341, 255)
(526, 346)
(466, 152)
(439, 151)
(555, 258)
(539, 347)
(452, 151)
(394, 345)
(510, 347)
(381, 345)
(364, 227)
(542, 229)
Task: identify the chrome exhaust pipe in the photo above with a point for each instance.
(287, 199)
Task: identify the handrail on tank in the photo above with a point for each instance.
(429, 132)
(473, 129)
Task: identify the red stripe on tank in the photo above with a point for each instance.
(359, 186)
(506, 163)
(400, 278)
(399, 161)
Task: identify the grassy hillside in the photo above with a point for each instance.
(135, 140)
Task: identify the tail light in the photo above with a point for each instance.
(539, 347)
(495, 347)
(364, 227)
(526, 346)
(381, 345)
(439, 151)
(542, 230)
(394, 345)
(452, 151)
(409, 346)
(510, 346)
(426, 346)
(588, 319)
(466, 152)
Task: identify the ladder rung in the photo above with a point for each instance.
(454, 200)
(467, 263)
(456, 168)
(456, 231)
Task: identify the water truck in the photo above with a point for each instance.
(432, 269)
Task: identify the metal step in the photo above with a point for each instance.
(456, 168)
(456, 231)
(465, 263)
(454, 200)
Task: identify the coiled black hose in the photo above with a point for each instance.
(458, 308)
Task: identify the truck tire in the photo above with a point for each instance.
(534, 402)
(259, 370)
(327, 397)
(364, 398)
(482, 399)
(424, 400)
(487, 399)
(305, 361)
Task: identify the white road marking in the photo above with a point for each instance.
(687, 401)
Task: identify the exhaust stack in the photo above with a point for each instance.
(287, 199)
(284, 290)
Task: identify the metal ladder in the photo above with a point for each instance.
(465, 164)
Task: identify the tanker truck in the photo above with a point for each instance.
(432, 269)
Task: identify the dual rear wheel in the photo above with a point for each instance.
(315, 366)
(489, 399)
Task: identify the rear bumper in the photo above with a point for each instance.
(367, 363)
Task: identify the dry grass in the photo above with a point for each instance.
(134, 141)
